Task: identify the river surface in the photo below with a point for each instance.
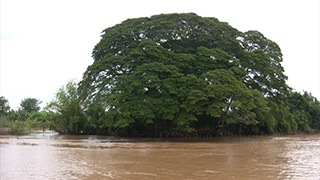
(52, 156)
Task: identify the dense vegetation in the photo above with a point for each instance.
(182, 74)
(27, 118)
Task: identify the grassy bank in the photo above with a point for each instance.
(17, 127)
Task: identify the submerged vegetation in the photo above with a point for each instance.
(181, 74)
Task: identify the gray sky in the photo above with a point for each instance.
(46, 43)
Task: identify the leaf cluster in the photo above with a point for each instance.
(182, 72)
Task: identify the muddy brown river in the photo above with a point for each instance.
(52, 156)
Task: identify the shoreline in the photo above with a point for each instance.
(4, 132)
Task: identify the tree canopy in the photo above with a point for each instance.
(30, 104)
(172, 74)
(4, 107)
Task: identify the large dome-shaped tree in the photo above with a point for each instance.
(181, 73)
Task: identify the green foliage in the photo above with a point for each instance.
(30, 104)
(39, 120)
(20, 115)
(305, 111)
(4, 107)
(262, 60)
(13, 127)
(20, 122)
(182, 72)
(69, 116)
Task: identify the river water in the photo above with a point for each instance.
(52, 156)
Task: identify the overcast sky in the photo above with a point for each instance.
(46, 43)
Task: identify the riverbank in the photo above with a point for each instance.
(24, 130)
(8, 127)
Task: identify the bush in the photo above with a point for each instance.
(13, 127)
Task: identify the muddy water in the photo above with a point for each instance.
(52, 156)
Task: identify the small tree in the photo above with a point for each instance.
(4, 107)
(30, 104)
(69, 113)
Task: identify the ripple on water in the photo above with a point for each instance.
(56, 156)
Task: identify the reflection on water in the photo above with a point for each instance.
(52, 156)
